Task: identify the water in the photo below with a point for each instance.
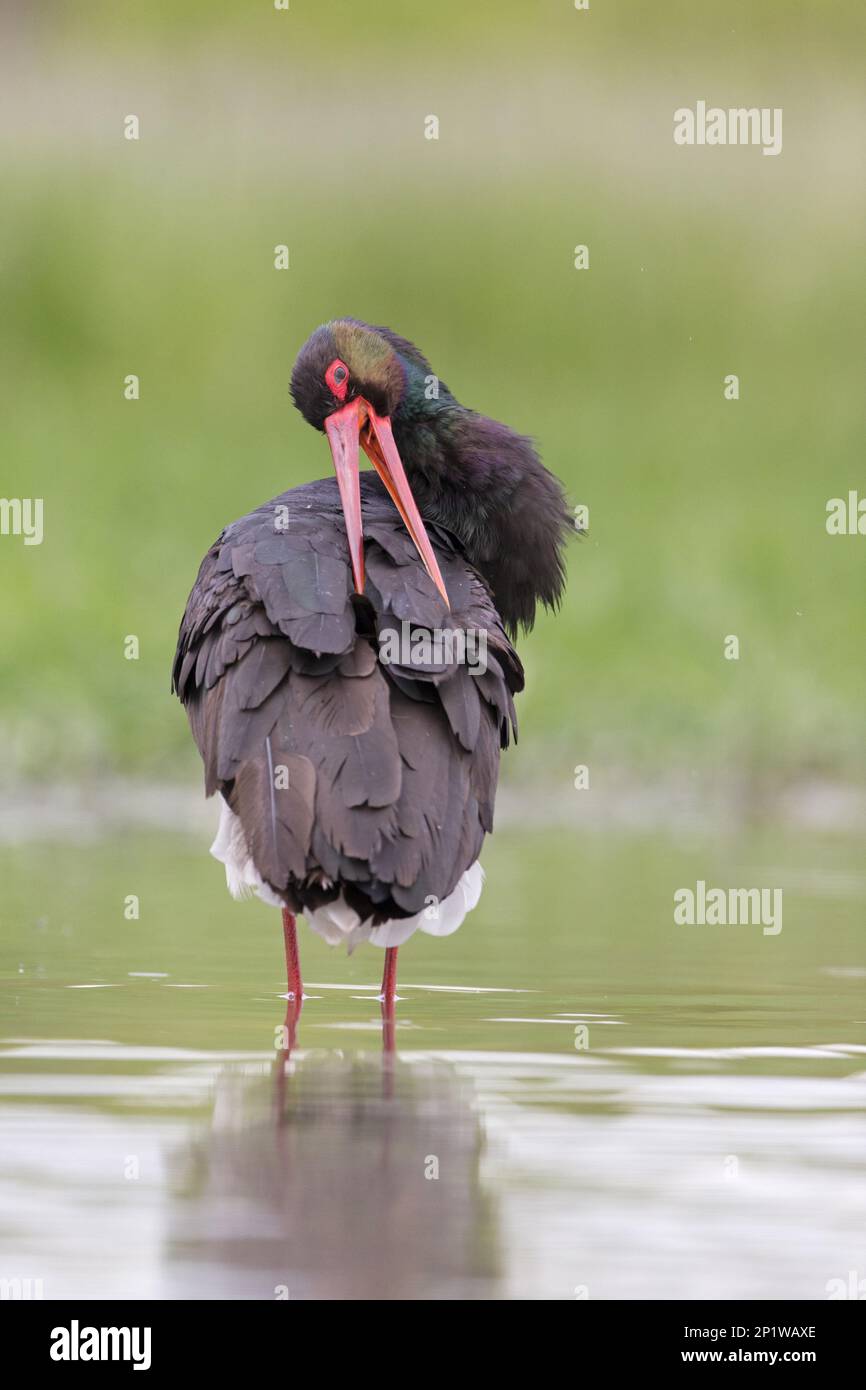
(587, 1100)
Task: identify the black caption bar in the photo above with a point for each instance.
(140, 1339)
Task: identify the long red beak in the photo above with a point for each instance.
(357, 423)
(343, 429)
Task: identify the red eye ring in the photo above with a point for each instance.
(337, 379)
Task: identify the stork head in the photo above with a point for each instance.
(341, 361)
(348, 381)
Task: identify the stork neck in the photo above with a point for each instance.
(488, 486)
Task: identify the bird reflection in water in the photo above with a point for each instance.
(342, 1176)
(288, 1037)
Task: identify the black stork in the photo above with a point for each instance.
(345, 656)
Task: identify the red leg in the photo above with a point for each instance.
(389, 988)
(389, 978)
(293, 960)
(294, 987)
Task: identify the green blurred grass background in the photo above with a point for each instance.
(306, 128)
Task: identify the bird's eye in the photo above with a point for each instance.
(337, 377)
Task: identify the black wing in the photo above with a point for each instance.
(348, 774)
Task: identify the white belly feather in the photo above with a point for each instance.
(337, 922)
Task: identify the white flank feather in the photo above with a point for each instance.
(336, 922)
